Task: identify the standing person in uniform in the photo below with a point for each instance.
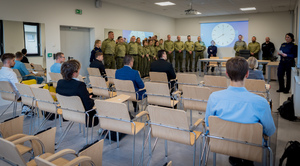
(146, 59)
(152, 51)
(120, 52)
(254, 47)
(96, 49)
(141, 55)
(288, 52)
(179, 47)
(189, 48)
(157, 48)
(169, 47)
(268, 49)
(108, 48)
(161, 42)
(212, 52)
(132, 49)
(239, 45)
(199, 50)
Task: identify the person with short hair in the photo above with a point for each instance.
(146, 59)
(239, 45)
(108, 48)
(179, 48)
(132, 49)
(254, 47)
(97, 63)
(71, 86)
(141, 56)
(169, 47)
(237, 104)
(24, 59)
(189, 49)
(212, 52)
(23, 71)
(120, 52)
(253, 72)
(199, 49)
(59, 59)
(96, 49)
(127, 73)
(161, 44)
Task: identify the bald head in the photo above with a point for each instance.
(178, 38)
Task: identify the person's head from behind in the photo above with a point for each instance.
(97, 43)
(8, 60)
(70, 69)
(19, 56)
(24, 51)
(128, 60)
(111, 35)
(162, 54)
(99, 56)
(237, 69)
(60, 57)
(253, 63)
(145, 43)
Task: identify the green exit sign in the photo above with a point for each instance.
(78, 11)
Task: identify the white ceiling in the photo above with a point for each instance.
(206, 7)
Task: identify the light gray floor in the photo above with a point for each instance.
(178, 153)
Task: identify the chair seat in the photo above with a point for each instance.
(139, 127)
(192, 136)
(23, 149)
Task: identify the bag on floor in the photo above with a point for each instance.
(291, 154)
(286, 110)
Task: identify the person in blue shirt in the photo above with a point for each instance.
(60, 58)
(97, 48)
(236, 104)
(253, 73)
(212, 52)
(23, 71)
(288, 52)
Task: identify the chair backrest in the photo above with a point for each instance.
(26, 94)
(193, 93)
(113, 110)
(9, 152)
(72, 108)
(213, 63)
(186, 79)
(94, 151)
(38, 68)
(55, 77)
(19, 76)
(172, 118)
(99, 86)
(7, 91)
(110, 75)
(224, 63)
(125, 87)
(252, 133)
(215, 83)
(44, 99)
(158, 77)
(28, 66)
(255, 85)
(93, 72)
(48, 139)
(12, 126)
(158, 93)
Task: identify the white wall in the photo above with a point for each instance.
(55, 13)
(274, 25)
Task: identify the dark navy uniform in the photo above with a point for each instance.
(285, 65)
(267, 50)
(211, 50)
(92, 58)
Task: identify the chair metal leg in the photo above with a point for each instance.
(150, 149)
(194, 156)
(200, 154)
(64, 134)
(12, 103)
(109, 135)
(79, 128)
(191, 118)
(83, 128)
(133, 149)
(166, 148)
(143, 146)
(60, 120)
(117, 139)
(87, 135)
(43, 123)
(271, 156)
(214, 159)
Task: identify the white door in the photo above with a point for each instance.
(75, 43)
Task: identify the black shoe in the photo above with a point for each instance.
(190, 70)
(181, 71)
(247, 163)
(136, 109)
(186, 70)
(201, 70)
(235, 161)
(195, 70)
(279, 90)
(286, 91)
(176, 71)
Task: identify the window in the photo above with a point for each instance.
(32, 38)
(1, 38)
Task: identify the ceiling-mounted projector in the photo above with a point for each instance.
(191, 12)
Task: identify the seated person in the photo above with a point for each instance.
(6, 73)
(97, 63)
(24, 59)
(236, 104)
(23, 71)
(71, 86)
(162, 65)
(127, 73)
(60, 58)
(253, 72)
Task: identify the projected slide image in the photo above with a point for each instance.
(225, 34)
(128, 34)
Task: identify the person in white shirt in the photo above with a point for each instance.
(6, 73)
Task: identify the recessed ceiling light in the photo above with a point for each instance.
(198, 13)
(247, 8)
(167, 3)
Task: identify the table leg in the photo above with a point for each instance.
(269, 73)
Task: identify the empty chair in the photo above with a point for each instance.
(195, 98)
(212, 64)
(94, 151)
(172, 125)
(115, 116)
(55, 77)
(38, 68)
(258, 86)
(186, 79)
(28, 67)
(100, 87)
(215, 83)
(224, 63)
(94, 72)
(236, 139)
(110, 75)
(8, 93)
(159, 94)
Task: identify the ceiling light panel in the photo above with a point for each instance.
(167, 3)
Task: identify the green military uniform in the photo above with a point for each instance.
(152, 53)
(157, 48)
(141, 59)
(146, 61)
(189, 46)
(199, 48)
(169, 46)
(108, 48)
(120, 54)
(239, 45)
(178, 45)
(161, 46)
(254, 48)
(132, 49)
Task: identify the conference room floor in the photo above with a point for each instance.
(180, 154)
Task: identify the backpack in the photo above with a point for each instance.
(286, 110)
(292, 153)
